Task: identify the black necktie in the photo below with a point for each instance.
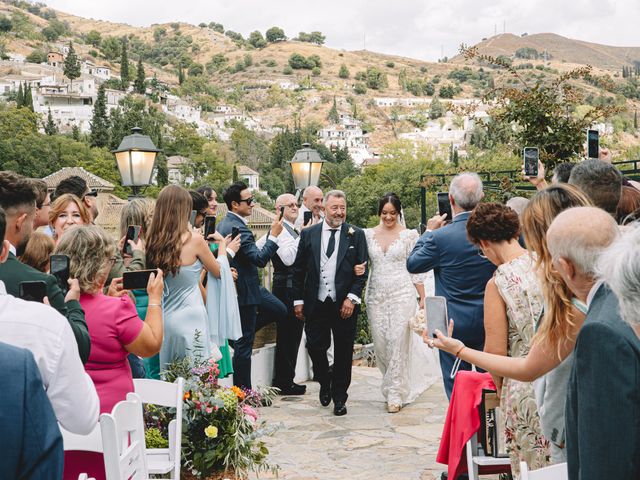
(331, 246)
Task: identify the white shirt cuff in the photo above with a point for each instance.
(273, 239)
(298, 302)
(354, 299)
(231, 253)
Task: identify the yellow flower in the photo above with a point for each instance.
(211, 431)
(239, 393)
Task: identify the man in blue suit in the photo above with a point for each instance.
(461, 273)
(249, 258)
(33, 443)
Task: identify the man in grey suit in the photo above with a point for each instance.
(603, 394)
(461, 273)
(249, 258)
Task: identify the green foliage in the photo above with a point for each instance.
(196, 69)
(287, 70)
(111, 48)
(316, 71)
(71, 64)
(446, 91)
(436, 110)
(247, 60)
(333, 115)
(37, 56)
(93, 37)
(390, 64)
(153, 437)
(360, 88)
(235, 36)
(249, 148)
(374, 78)
(314, 37)
(125, 77)
(527, 53)
(256, 39)
(5, 24)
(216, 27)
(275, 34)
(217, 62)
(140, 83)
(50, 127)
(343, 72)
(297, 61)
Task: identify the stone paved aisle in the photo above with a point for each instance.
(368, 443)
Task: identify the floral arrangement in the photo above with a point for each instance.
(221, 429)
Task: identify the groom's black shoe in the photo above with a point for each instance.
(339, 409)
(293, 389)
(325, 394)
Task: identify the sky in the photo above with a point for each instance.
(421, 29)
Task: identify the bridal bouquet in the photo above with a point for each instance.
(418, 323)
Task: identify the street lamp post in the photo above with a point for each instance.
(136, 158)
(306, 167)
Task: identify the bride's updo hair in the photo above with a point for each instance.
(393, 199)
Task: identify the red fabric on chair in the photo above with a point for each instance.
(463, 419)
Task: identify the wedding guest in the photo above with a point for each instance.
(43, 203)
(18, 200)
(212, 199)
(78, 186)
(66, 211)
(114, 326)
(628, 205)
(172, 246)
(518, 204)
(312, 198)
(562, 172)
(513, 302)
(600, 181)
(37, 252)
(408, 368)
(460, 273)
(200, 204)
(47, 334)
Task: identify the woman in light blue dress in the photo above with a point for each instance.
(182, 253)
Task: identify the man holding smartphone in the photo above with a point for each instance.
(289, 328)
(311, 202)
(246, 261)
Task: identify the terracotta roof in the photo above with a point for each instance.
(94, 182)
(244, 170)
(259, 216)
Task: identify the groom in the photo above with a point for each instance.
(328, 294)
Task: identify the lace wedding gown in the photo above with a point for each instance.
(408, 365)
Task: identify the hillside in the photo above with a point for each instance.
(561, 50)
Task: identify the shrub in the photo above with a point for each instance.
(360, 88)
(344, 71)
(315, 71)
(390, 64)
(287, 70)
(297, 61)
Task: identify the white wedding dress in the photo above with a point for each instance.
(408, 365)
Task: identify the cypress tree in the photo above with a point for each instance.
(139, 84)
(99, 135)
(50, 127)
(333, 116)
(75, 133)
(28, 98)
(71, 65)
(20, 97)
(180, 75)
(124, 65)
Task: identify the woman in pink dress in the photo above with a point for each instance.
(114, 327)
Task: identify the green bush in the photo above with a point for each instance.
(390, 64)
(315, 71)
(287, 70)
(360, 88)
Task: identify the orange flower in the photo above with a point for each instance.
(239, 393)
(187, 395)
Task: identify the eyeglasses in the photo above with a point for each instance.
(249, 200)
(291, 205)
(112, 260)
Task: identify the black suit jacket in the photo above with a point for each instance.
(12, 272)
(352, 250)
(603, 396)
(247, 260)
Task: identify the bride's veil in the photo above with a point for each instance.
(401, 218)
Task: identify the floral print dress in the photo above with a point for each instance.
(520, 289)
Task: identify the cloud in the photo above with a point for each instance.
(419, 29)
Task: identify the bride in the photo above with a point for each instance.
(407, 366)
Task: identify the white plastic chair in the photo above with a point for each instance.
(123, 441)
(476, 458)
(162, 461)
(84, 476)
(554, 472)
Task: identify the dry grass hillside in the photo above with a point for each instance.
(561, 50)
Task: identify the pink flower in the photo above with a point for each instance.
(209, 409)
(250, 412)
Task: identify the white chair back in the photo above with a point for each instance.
(554, 472)
(123, 440)
(160, 460)
(83, 443)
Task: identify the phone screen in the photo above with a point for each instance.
(235, 231)
(593, 147)
(307, 217)
(436, 314)
(133, 233)
(531, 155)
(60, 270)
(444, 206)
(209, 225)
(32, 291)
(137, 280)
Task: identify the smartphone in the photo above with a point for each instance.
(137, 280)
(593, 144)
(235, 231)
(32, 291)
(60, 270)
(209, 226)
(435, 309)
(531, 156)
(308, 214)
(192, 218)
(444, 206)
(133, 233)
(281, 213)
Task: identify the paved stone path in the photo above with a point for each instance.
(368, 443)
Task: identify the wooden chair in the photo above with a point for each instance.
(123, 441)
(162, 461)
(554, 472)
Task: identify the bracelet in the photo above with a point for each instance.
(154, 305)
(458, 352)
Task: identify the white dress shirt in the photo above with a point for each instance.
(274, 239)
(47, 334)
(300, 220)
(287, 245)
